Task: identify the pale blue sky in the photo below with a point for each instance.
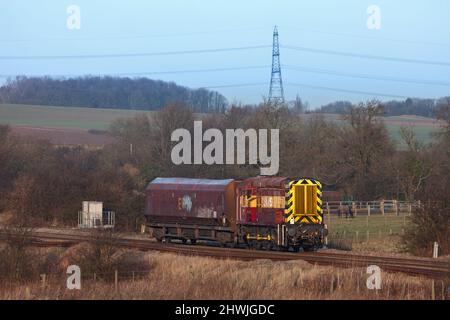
(415, 30)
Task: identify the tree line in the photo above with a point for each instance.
(147, 94)
(108, 92)
(40, 182)
(410, 106)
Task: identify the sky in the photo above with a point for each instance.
(328, 52)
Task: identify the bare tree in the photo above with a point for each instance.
(430, 222)
(415, 164)
(365, 152)
(99, 257)
(16, 261)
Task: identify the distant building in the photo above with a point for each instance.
(92, 215)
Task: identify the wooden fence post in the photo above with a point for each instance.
(433, 295)
(332, 284)
(116, 276)
(382, 207)
(337, 283)
(357, 284)
(396, 207)
(43, 279)
(368, 234)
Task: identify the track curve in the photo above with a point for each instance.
(416, 266)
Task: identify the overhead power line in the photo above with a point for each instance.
(143, 73)
(304, 85)
(254, 84)
(368, 37)
(216, 50)
(129, 37)
(367, 56)
(208, 70)
(132, 55)
(375, 94)
(365, 76)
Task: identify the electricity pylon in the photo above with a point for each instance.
(276, 92)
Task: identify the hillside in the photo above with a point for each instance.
(412, 106)
(108, 92)
(30, 120)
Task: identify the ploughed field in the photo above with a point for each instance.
(62, 125)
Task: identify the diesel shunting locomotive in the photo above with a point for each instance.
(261, 212)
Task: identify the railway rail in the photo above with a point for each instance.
(432, 268)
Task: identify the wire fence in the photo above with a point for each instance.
(364, 221)
(333, 284)
(365, 228)
(114, 275)
(362, 236)
(381, 207)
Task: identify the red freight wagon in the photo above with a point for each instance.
(182, 206)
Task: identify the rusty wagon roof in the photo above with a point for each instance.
(188, 184)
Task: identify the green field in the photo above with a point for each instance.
(61, 117)
(377, 226)
(424, 128)
(424, 134)
(91, 118)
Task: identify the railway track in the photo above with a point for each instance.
(416, 266)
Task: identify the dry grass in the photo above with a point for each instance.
(180, 277)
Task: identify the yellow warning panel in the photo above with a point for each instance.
(305, 196)
(304, 202)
